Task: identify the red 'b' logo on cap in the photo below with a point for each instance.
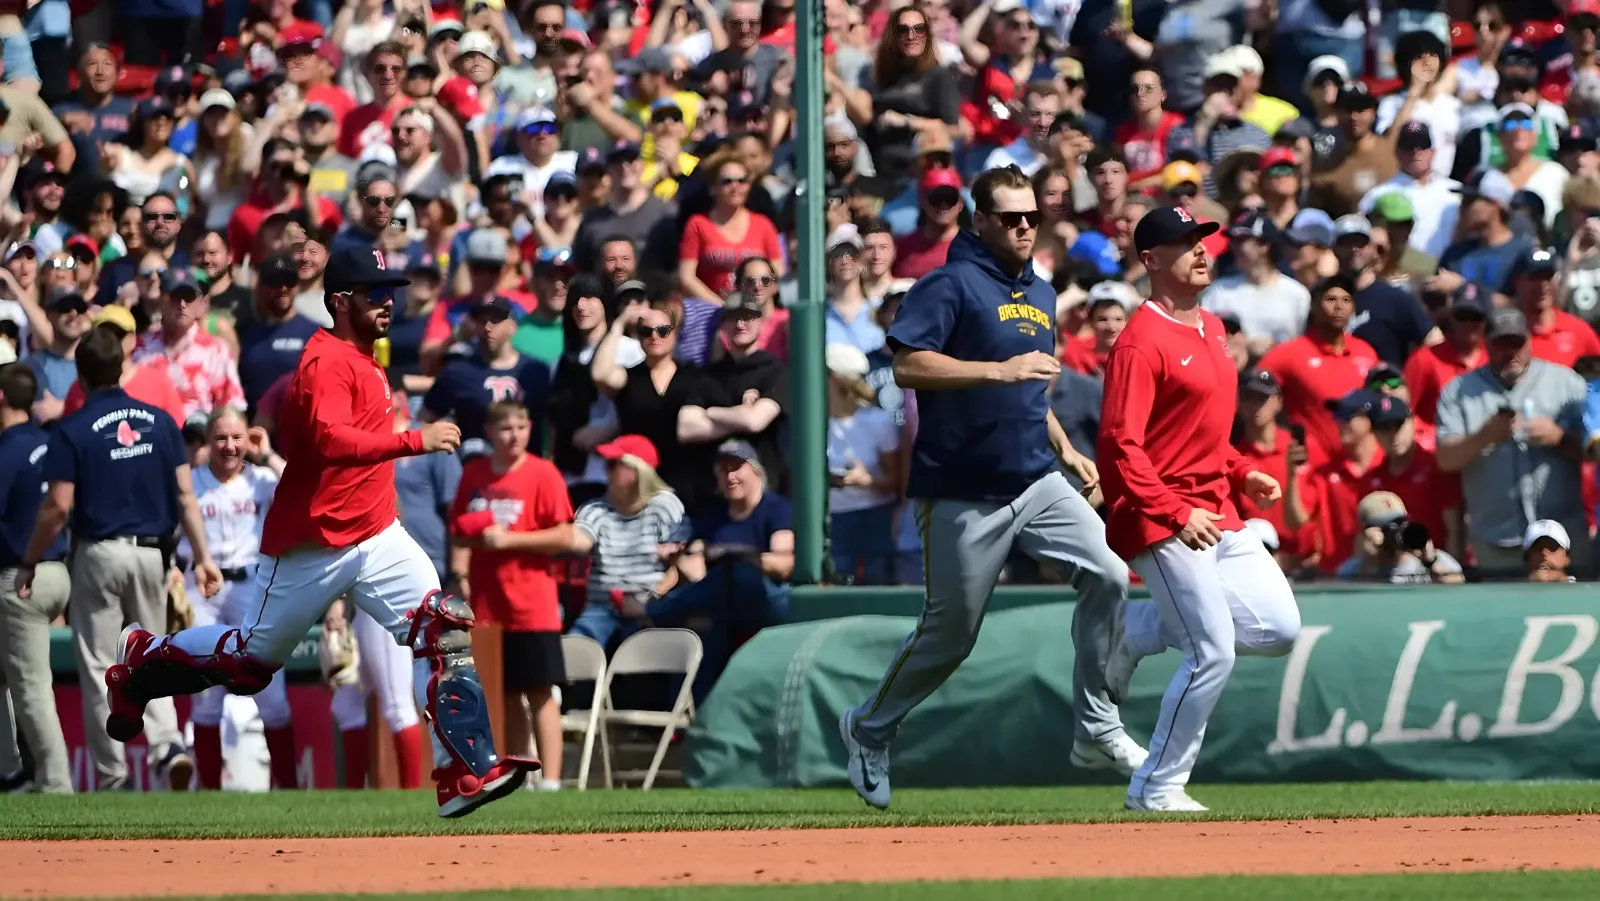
(1182, 214)
(378, 255)
(127, 436)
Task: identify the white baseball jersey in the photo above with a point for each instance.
(233, 512)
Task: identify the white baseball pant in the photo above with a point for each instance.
(386, 672)
(224, 608)
(1212, 604)
(386, 576)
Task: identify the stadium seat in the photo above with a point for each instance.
(586, 662)
(1463, 36)
(670, 651)
(1536, 33)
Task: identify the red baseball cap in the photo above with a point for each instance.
(308, 33)
(81, 240)
(630, 446)
(1278, 156)
(474, 524)
(940, 178)
(1583, 8)
(460, 96)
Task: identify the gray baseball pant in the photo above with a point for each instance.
(116, 582)
(965, 544)
(25, 658)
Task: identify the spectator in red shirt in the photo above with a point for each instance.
(279, 188)
(1143, 138)
(715, 243)
(309, 61)
(1258, 439)
(1431, 495)
(1107, 317)
(369, 123)
(924, 250)
(1108, 172)
(1431, 368)
(510, 516)
(1557, 336)
(1335, 487)
(1320, 366)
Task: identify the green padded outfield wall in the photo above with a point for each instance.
(1481, 682)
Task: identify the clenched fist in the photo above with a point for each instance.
(1034, 366)
(441, 436)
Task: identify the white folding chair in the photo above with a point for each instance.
(672, 651)
(586, 662)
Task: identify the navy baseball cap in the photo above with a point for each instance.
(179, 280)
(279, 272)
(623, 151)
(1470, 301)
(1388, 411)
(590, 159)
(1359, 402)
(1261, 382)
(1535, 261)
(359, 267)
(494, 309)
(1169, 225)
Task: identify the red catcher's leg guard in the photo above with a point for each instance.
(356, 752)
(208, 756)
(280, 746)
(148, 668)
(408, 756)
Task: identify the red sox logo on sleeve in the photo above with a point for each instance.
(502, 387)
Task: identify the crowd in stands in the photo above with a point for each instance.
(596, 204)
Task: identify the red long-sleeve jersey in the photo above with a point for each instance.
(336, 430)
(1170, 394)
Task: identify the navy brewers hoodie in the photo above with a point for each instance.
(990, 442)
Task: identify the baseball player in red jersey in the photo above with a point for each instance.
(333, 530)
(1167, 470)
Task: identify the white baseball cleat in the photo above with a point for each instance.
(1116, 752)
(1123, 659)
(1172, 800)
(868, 768)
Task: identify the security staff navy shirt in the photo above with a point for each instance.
(990, 442)
(467, 386)
(123, 456)
(269, 352)
(22, 488)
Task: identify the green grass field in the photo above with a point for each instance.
(345, 814)
(341, 814)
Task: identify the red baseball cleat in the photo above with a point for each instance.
(455, 799)
(126, 719)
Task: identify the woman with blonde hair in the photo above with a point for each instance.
(223, 162)
(622, 531)
(863, 471)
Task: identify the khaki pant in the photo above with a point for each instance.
(25, 670)
(115, 583)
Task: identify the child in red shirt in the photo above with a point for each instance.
(511, 513)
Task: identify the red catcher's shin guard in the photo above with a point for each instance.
(208, 756)
(280, 747)
(408, 756)
(356, 753)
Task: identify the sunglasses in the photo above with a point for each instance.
(376, 200)
(541, 128)
(1491, 26)
(757, 281)
(1182, 191)
(1394, 383)
(161, 217)
(1516, 125)
(61, 263)
(666, 116)
(377, 295)
(1011, 219)
(83, 255)
(77, 306)
(1022, 25)
(728, 181)
(645, 332)
(1280, 170)
(745, 23)
(943, 197)
(150, 273)
(1145, 88)
(920, 31)
(388, 70)
(492, 315)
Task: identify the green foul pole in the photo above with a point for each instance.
(809, 419)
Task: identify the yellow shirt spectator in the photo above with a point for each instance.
(667, 188)
(686, 101)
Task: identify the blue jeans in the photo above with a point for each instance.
(862, 547)
(601, 622)
(738, 600)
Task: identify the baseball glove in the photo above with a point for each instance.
(341, 661)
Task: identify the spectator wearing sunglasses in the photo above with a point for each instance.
(160, 224)
(746, 392)
(746, 63)
(654, 78)
(468, 385)
(53, 365)
(378, 194)
(924, 250)
(369, 123)
(281, 185)
(201, 364)
(715, 243)
(539, 155)
(1518, 127)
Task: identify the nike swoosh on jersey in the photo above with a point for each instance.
(1185, 360)
(1017, 294)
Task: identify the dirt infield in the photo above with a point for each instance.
(166, 868)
